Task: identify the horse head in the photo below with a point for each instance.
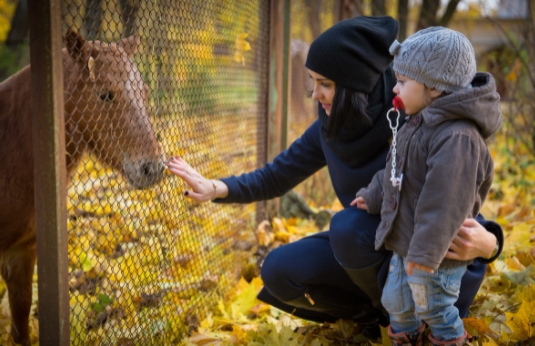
(105, 108)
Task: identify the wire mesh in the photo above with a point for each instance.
(146, 80)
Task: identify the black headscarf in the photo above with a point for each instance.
(354, 54)
(357, 143)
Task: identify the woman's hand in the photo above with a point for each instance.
(472, 241)
(360, 203)
(202, 189)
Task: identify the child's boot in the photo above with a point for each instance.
(407, 339)
(457, 342)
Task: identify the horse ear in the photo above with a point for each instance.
(129, 44)
(76, 46)
(91, 67)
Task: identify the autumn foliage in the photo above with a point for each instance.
(502, 313)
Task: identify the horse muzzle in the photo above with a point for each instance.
(144, 173)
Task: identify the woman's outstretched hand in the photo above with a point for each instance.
(202, 189)
(472, 241)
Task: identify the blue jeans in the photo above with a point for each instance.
(423, 297)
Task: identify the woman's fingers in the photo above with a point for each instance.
(200, 187)
(197, 197)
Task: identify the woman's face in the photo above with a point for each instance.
(323, 90)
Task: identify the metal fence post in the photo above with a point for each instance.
(49, 170)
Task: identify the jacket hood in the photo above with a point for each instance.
(479, 103)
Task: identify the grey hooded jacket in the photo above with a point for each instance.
(447, 173)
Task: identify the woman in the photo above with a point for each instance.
(337, 273)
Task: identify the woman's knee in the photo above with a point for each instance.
(353, 238)
(272, 270)
(355, 226)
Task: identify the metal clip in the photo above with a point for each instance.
(396, 181)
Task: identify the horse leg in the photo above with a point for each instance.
(17, 270)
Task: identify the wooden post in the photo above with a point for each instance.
(279, 69)
(49, 170)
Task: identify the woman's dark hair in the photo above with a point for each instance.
(347, 102)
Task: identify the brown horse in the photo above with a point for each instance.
(105, 113)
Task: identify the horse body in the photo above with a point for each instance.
(105, 113)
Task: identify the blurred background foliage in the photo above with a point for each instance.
(204, 68)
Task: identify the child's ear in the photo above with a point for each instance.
(434, 93)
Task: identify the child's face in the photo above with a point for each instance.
(415, 96)
(323, 90)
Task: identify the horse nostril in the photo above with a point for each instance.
(151, 169)
(147, 173)
(146, 169)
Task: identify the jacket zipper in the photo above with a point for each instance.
(309, 298)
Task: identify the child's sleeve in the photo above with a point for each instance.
(373, 194)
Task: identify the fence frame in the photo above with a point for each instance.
(49, 170)
(279, 84)
(50, 174)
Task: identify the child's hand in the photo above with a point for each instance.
(413, 265)
(360, 203)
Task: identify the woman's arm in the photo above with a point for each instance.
(483, 239)
(302, 159)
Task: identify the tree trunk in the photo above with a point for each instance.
(428, 14)
(448, 14)
(20, 26)
(93, 19)
(378, 7)
(403, 12)
(129, 15)
(16, 55)
(350, 9)
(314, 8)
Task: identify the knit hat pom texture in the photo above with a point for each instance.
(438, 57)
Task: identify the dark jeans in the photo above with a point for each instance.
(318, 260)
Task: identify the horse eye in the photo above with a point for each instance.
(107, 95)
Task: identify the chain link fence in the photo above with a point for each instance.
(147, 80)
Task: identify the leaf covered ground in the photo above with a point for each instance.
(129, 285)
(503, 312)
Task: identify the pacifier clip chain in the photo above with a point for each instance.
(398, 104)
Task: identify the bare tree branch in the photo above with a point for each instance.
(403, 13)
(129, 15)
(93, 19)
(20, 25)
(314, 7)
(428, 14)
(350, 9)
(448, 14)
(378, 8)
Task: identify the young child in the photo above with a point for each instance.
(442, 171)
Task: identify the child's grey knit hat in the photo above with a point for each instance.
(438, 57)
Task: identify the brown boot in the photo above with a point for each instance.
(407, 339)
(457, 342)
